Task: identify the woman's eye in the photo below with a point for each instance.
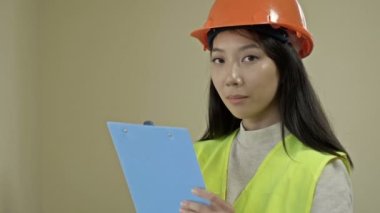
(217, 60)
(249, 58)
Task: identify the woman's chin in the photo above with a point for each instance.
(238, 115)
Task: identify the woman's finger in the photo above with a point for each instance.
(188, 206)
(203, 193)
(215, 201)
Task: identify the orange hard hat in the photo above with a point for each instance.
(285, 14)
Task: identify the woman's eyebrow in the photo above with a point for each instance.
(249, 46)
(215, 49)
(245, 47)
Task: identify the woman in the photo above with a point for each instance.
(268, 146)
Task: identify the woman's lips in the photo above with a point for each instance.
(236, 99)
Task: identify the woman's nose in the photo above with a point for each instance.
(234, 78)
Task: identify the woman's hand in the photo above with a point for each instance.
(217, 205)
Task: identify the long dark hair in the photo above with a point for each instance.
(300, 109)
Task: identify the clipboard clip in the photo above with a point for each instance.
(148, 123)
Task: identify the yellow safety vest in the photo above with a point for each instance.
(284, 183)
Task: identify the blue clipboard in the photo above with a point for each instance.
(159, 165)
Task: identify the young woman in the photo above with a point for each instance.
(269, 147)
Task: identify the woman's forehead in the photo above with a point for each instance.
(235, 36)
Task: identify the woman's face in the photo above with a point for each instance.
(246, 79)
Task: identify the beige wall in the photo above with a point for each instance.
(111, 60)
(19, 144)
(344, 69)
(131, 61)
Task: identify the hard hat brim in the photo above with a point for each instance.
(303, 37)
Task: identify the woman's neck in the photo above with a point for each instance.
(267, 118)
